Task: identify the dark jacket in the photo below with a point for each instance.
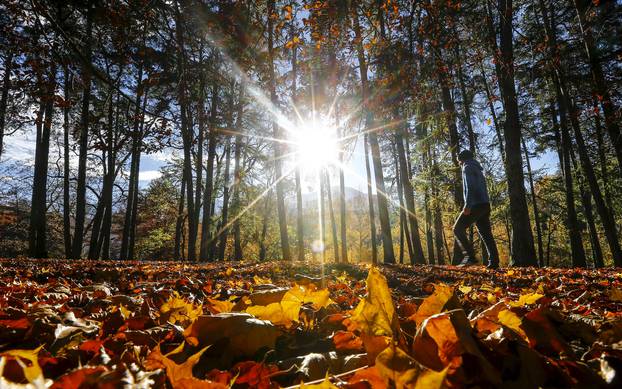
(474, 184)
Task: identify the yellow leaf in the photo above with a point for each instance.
(229, 271)
(465, 289)
(217, 306)
(326, 384)
(287, 311)
(260, 280)
(375, 314)
(308, 295)
(512, 321)
(180, 310)
(32, 372)
(179, 375)
(126, 313)
(510, 272)
(395, 365)
(431, 379)
(527, 299)
(276, 313)
(442, 299)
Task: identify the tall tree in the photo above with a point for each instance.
(523, 251)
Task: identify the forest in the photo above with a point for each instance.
(269, 193)
(256, 118)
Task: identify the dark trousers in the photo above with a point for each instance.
(480, 215)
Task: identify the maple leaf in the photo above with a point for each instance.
(287, 311)
(180, 375)
(442, 299)
(375, 314)
(179, 310)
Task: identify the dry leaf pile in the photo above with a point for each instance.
(83, 324)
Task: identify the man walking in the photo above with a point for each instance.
(476, 210)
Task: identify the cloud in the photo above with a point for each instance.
(148, 175)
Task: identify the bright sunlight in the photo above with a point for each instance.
(316, 146)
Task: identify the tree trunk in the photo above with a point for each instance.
(186, 131)
(333, 222)
(237, 177)
(602, 158)
(66, 185)
(264, 227)
(370, 201)
(586, 200)
(534, 203)
(179, 224)
(605, 214)
(381, 194)
(38, 215)
(601, 89)
(224, 230)
(280, 189)
(102, 204)
(417, 251)
(523, 253)
(104, 241)
(342, 213)
(78, 236)
(135, 157)
(299, 217)
(208, 193)
(565, 146)
(4, 97)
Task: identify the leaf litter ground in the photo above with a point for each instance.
(72, 324)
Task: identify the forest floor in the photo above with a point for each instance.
(70, 324)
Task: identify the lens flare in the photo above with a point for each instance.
(316, 146)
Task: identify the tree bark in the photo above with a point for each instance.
(605, 214)
(534, 204)
(224, 230)
(523, 253)
(411, 212)
(565, 146)
(66, 171)
(299, 216)
(237, 178)
(280, 189)
(208, 193)
(179, 224)
(333, 222)
(370, 201)
(78, 236)
(586, 200)
(186, 131)
(38, 214)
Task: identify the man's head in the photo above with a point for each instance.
(464, 156)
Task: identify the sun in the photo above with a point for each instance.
(316, 146)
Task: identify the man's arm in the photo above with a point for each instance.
(469, 178)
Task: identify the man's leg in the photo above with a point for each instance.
(460, 237)
(485, 231)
